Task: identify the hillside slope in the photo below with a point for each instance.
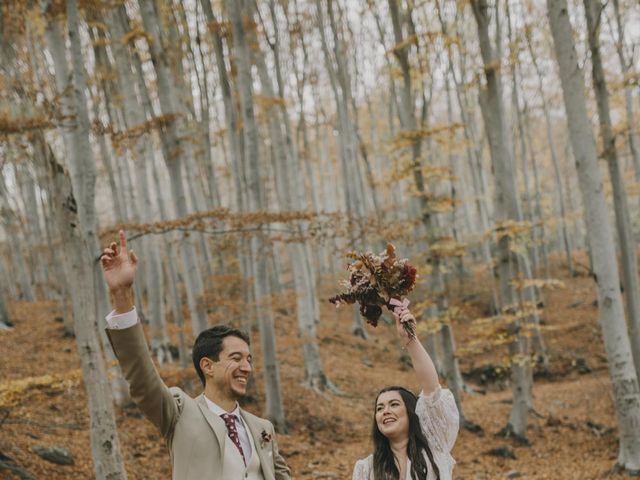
(42, 400)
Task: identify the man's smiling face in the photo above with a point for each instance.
(231, 372)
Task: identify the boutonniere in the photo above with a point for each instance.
(265, 438)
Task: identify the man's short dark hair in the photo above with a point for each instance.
(209, 344)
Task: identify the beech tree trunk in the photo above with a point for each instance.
(58, 265)
(626, 66)
(169, 251)
(123, 188)
(474, 159)
(539, 232)
(239, 18)
(350, 171)
(515, 100)
(626, 392)
(80, 242)
(410, 124)
(105, 445)
(507, 207)
(555, 161)
(174, 151)
(5, 321)
(593, 11)
(139, 147)
(11, 223)
(83, 174)
(290, 197)
(31, 229)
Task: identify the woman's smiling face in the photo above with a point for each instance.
(391, 415)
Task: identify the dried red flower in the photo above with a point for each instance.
(374, 280)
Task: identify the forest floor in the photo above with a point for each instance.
(573, 435)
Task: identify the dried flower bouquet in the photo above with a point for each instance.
(376, 281)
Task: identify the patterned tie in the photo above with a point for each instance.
(230, 422)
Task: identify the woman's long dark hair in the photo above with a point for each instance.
(384, 465)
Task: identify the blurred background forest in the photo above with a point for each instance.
(246, 146)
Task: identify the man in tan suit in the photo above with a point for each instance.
(210, 437)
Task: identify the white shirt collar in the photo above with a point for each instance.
(218, 410)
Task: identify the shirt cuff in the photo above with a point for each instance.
(122, 320)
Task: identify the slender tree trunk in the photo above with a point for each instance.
(82, 162)
(62, 287)
(231, 114)
(451, 366)
(410, 125)
(593, 11)
(83, 243)
(555, 161)
(274, 409)
(170, 252)
(507, 206)
(234, 138)
(473, 158)
(290, 197)
(625, 66)
(531, 294)
(31, 229)
(137, 110)
(5, 276)
(614, 332)
(539, 231)
(199, 204)
(205, 124)
(5, 320)
(56, 46)
(10, 221)
(515, 99)
(456, 170)
(349, 132)
(348, 157)
(174, 148)
(118, 195)
(79, 253)
(52, 289)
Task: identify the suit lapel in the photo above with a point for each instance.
(214, 421)
(255, 430)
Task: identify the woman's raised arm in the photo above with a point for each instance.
(422, 363)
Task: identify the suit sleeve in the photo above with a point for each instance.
(281, 469)
(161, 405)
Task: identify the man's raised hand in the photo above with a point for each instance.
(119, 266)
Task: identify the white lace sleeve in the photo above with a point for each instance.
(362, 470)
(439, 418)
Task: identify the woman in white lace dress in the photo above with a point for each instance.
(412, 436)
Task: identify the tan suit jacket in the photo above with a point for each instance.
(196, 436)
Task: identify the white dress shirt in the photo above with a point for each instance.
(129, 319)
(243, 430)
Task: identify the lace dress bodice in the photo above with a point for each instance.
(439, 420)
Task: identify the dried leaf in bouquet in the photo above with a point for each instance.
(377, 281)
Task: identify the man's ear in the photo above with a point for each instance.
(206, 365)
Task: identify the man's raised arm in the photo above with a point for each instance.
(127, 339)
